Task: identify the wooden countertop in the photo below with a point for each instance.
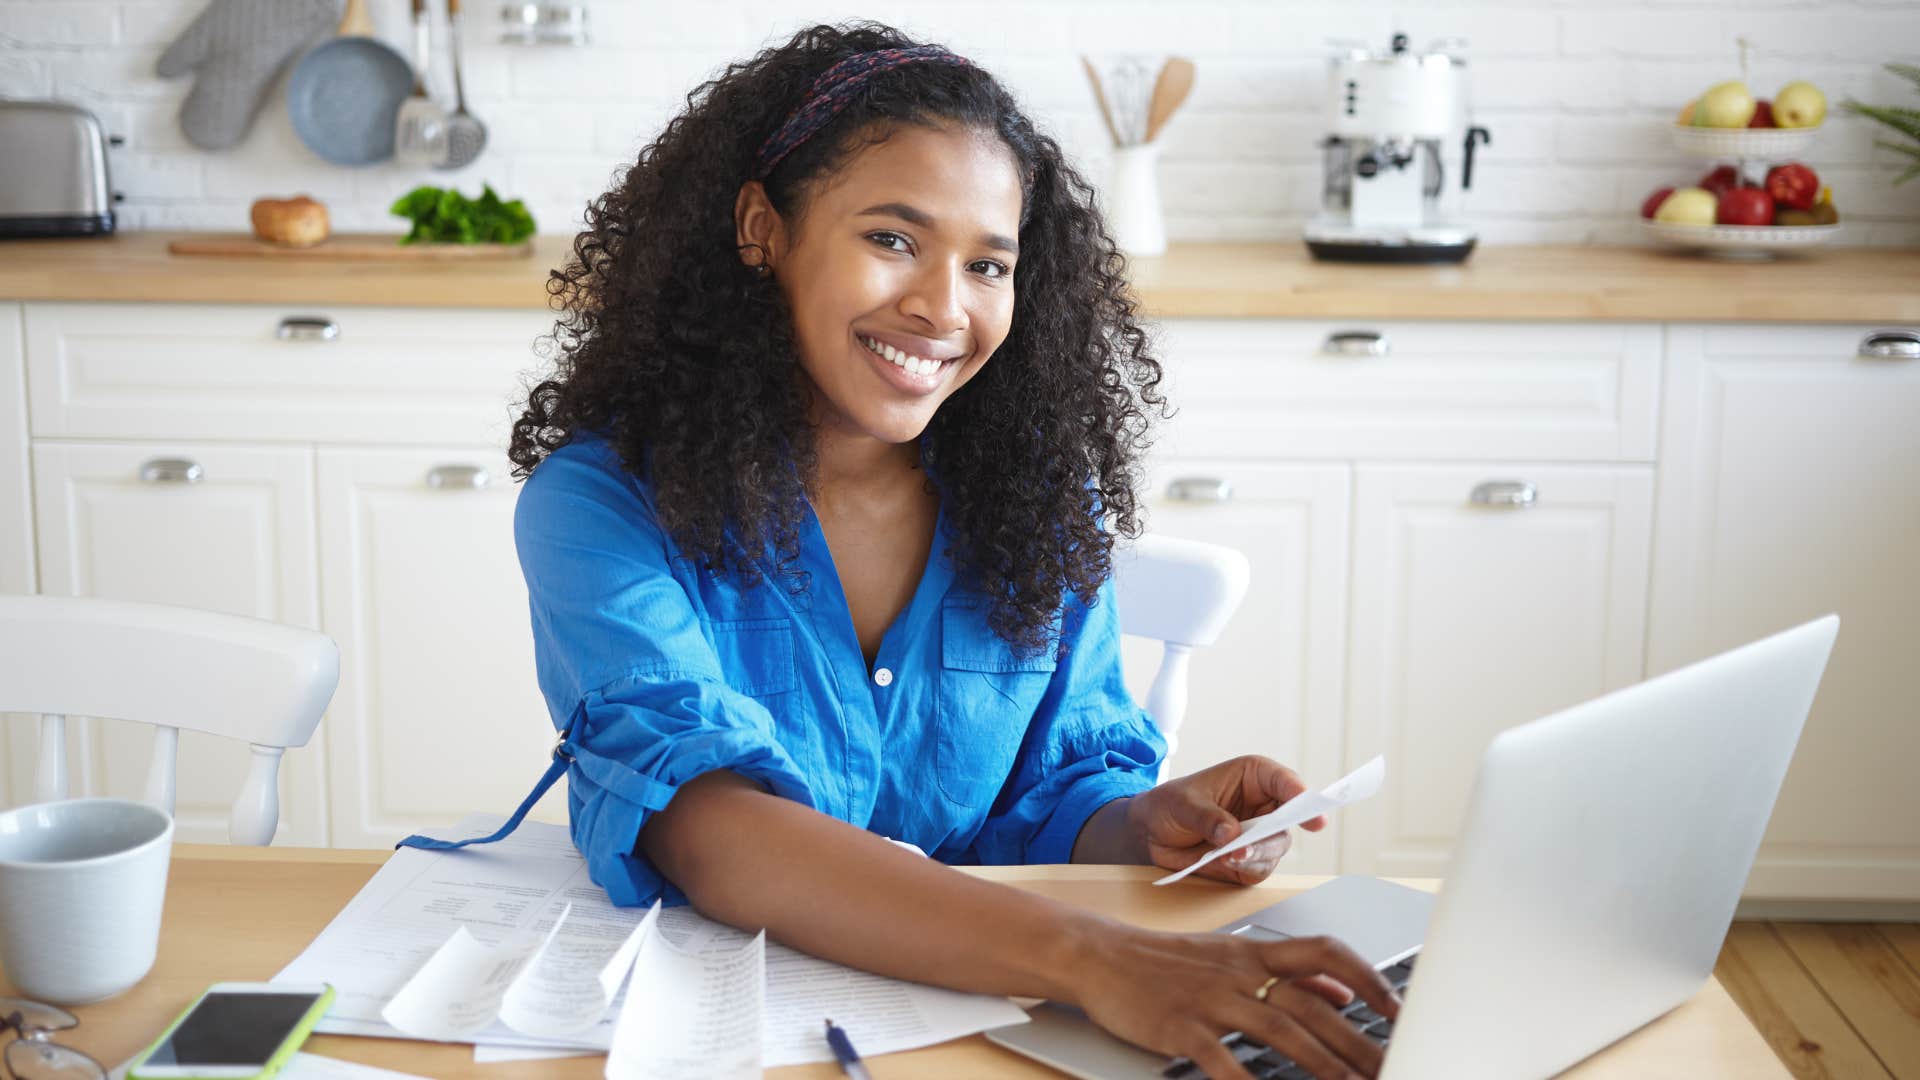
(1267, 280)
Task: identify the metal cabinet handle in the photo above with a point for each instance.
(457, 478)
(1200, 489)
(171, 471)
(307, 328)
(1357, 343)
(1890, 345)
(1514, 493)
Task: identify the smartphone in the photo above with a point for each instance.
(235, 1031)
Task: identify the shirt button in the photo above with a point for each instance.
(883, 677)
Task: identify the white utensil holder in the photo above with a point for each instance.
(1133, 201)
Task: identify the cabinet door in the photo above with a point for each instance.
(1790, 488)
(16, 526)
(1470, 617)
(16, 509)
(122, 521)
(1272, 684)
(438, 713)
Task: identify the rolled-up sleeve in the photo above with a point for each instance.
(626, 667)
(1088, 744)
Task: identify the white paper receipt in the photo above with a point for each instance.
(1359, 784)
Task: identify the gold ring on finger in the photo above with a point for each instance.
(1266, 988)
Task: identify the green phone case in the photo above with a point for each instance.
(288, 1047)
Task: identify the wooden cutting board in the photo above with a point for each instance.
(371, 246)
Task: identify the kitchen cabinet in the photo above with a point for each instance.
(16, 511)
(219, 526)
(1484, 596)
(437, 712)
(1434, 580)
(1275, 676)
(310, 436)
(16, 486)
(1789, 488)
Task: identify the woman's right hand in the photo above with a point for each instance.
(1179, 994)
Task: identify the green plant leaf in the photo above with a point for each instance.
(445, 216)
(1905, 121)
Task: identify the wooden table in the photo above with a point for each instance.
(243, 913)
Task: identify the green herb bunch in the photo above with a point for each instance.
(444, 216)
(1905, 121)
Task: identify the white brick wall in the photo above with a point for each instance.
(1575, 94)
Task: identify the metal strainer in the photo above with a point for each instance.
(466, 135)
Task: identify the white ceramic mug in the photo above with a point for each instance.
(81, 887)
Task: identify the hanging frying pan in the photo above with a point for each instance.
(344, 94)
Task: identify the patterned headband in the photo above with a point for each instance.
(833, 91)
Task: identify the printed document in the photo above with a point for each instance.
(511, 945)
(1359, 784)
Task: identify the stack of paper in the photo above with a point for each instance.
(511, 947)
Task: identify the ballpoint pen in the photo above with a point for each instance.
(848, 1056)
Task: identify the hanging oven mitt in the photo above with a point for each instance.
(235, 48)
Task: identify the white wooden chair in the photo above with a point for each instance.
(173, 668)
(1180, 593)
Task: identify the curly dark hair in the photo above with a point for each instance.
(687, 361)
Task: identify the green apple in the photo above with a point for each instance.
(1726, 105)
(1799, 105)
(1688, 206)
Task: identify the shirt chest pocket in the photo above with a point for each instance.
(756, 655)
(988, 697)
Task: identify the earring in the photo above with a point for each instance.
(761, 271)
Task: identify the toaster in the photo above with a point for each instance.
(53, 171)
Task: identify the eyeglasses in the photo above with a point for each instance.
(31, 1056)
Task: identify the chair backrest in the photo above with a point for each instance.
(1180, 593)
(174, 668)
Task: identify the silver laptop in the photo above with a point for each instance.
(1597, 872)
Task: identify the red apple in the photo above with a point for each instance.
(1793, 185)
(1745, 206)
(1762, 114)
(1720, 181)
(1653, 202)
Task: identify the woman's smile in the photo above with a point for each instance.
(912, 372)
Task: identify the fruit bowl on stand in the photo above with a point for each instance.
(1768, 144)
(1744, 242)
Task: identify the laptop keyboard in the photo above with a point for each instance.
(1266, 1063)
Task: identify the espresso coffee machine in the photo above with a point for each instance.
(1393, 118)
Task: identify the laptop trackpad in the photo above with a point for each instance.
(1377, 919)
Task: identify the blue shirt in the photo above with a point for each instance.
(663, 672)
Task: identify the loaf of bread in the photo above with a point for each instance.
(295, 222)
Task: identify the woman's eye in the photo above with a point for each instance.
(887, 240)
(997, 269)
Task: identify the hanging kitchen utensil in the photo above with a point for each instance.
(420, 127)
(343, 95)
(235, 49)
(466, 135)
(1170, 90)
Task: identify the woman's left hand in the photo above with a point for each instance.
(1184, 819)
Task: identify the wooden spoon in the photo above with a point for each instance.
(1100, 96)
(1170, 90)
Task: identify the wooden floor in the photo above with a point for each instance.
(1839, 1000)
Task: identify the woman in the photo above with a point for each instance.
(817, 531)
